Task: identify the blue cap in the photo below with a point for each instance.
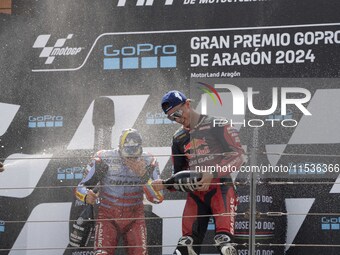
(172, 99)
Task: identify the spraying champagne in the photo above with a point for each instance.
(82, 235)
(103, 119)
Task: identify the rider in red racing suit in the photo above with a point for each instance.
(121, 174)
(204, 145)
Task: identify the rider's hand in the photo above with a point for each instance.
(204, 183)
(91, 197)
(158, 185)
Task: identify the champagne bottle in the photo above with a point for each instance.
(83, 228)
(185, 181)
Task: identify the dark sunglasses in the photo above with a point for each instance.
(177, 114)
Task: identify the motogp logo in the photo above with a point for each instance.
(57, 50)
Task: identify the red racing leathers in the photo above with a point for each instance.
(121, 209)
(214, 148)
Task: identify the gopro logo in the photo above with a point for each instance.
(45, 121)
(2, 226)
(330, 223)
(144, 55)
(143, 2)
(70, 173)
